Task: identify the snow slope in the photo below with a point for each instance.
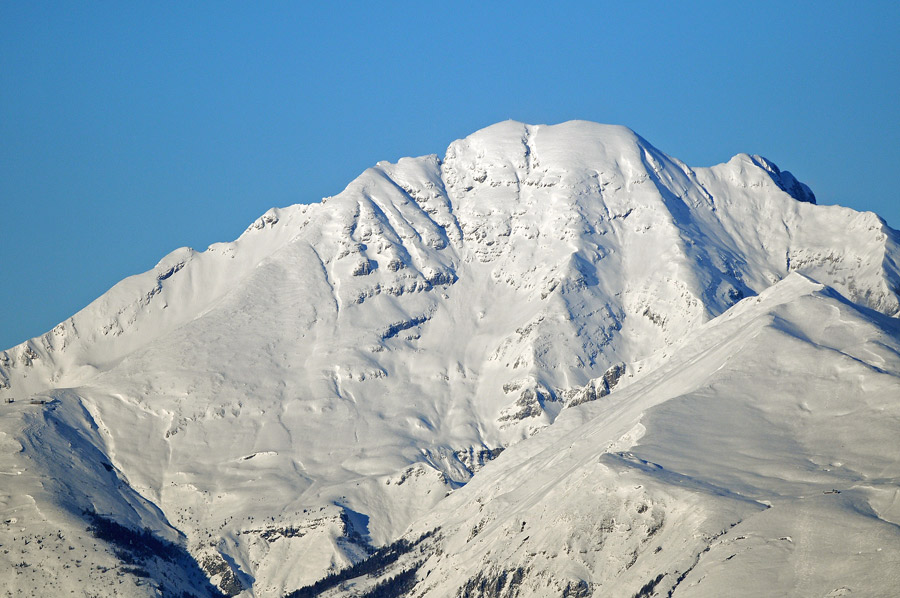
(320, 383)
(760, 460)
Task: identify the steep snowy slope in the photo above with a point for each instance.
(326, 379)
(760, 460)
(57, 496)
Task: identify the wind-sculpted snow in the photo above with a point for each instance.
(320, 383)
(759, 460)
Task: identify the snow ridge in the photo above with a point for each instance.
(324, 381)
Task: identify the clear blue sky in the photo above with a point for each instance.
(129, 129)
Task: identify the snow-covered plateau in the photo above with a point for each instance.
(554, 362)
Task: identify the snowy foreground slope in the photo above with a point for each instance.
(681, 365)
(762, 459)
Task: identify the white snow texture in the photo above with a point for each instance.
(693, 375)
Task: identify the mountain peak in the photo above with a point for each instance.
(326, 379)
(786, 181)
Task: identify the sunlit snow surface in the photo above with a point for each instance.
(281, 404)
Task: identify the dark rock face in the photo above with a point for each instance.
(599, 388)
(493, 584)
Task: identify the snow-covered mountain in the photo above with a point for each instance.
(668, 358)
(761, 459)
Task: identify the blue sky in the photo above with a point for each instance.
(130, 129)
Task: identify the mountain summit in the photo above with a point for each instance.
(273, 410)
